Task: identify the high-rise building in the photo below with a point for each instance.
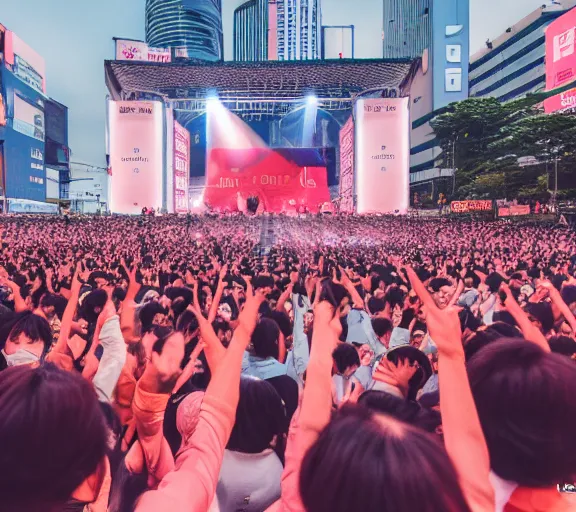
(513, 65)
(194, 24)
(278, 30)
(251, 31)
(407, 29)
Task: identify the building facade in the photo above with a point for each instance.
(338, 42)
(251, 31)
(407, 28)
(513, 65)
(278, 30)
(193, 24)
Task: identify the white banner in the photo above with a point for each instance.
(140, 51)
(136, 135)
(382, 155)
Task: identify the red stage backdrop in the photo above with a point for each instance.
(280, 185)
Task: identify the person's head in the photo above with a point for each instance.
(442, 291)
(187, 324)
(54, 437)
(383, 329)
(265, 339)
(25, 339)
(260, 417)
(93, 304)
(416, 338)
(346, 360)
(49, 304)
(354, 465)
(563, 345)
(527, 406)
(541, 315)
(153, 314)
(263, 283)
(490, 334)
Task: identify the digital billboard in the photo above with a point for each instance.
(561, 61)
(181, 167)
(382, 155)
(136, 159)
(28, 119)
(27, 64)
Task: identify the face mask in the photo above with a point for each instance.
(21, 357)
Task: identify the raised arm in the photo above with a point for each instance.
(192, 485)
(559, 303)
(218, 295)
(529, 330)
(463, 433)
(129, 305)
(69, 312)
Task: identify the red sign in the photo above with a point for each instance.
(482, 205)
(347, 167)
(181, 167)
(561, 60)
(234, 175)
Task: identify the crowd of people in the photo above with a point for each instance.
(369, 363)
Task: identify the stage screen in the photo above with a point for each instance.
(282, 179)
(136, 135)
(561, 61)
(382, 155)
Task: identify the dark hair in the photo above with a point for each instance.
(187, 323)
(527, 406)
(265, 339)
(147, 314)
(33, 326)
(403, 410)
(439, 282)
(263, 282)
(53, 434)
(381, 326)
(542, 311)
(259, 417)
(94, 300)
(345, 356)
(569, 294)
(562, 345)
(354, 466)
(492, 333)
(283, 321)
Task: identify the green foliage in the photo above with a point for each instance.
(483, 139)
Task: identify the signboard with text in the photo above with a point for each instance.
(481, 205)
(181, 167)
(382, 155)
(561, 61)
(140, 51)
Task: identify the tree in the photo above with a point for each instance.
(483, 139)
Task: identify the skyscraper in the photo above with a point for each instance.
(251, 31)
(407, 30)
(194, 24)
(277, 30)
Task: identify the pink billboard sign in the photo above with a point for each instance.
(347, 166)
(561, 60)
(383, 155)
(181, 167)
(136, 138)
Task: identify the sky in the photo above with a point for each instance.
(75, 37)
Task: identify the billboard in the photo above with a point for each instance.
(27, 65)
(24, 167)
(338, 42)
(561, 61)
(136, 156)
(480, 205)
(28, 119)
(140, 51)
(181, 167)
(347, 166)
(382, 155)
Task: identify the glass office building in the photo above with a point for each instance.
(194, 24)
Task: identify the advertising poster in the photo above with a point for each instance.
(28, 65)
(561, 61)
(140, 51)
(481, 205)
(347, 167)
(136, 139)
(28, 119)
(382, 155)
(181, 167)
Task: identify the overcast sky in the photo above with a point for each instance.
(75, 37)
